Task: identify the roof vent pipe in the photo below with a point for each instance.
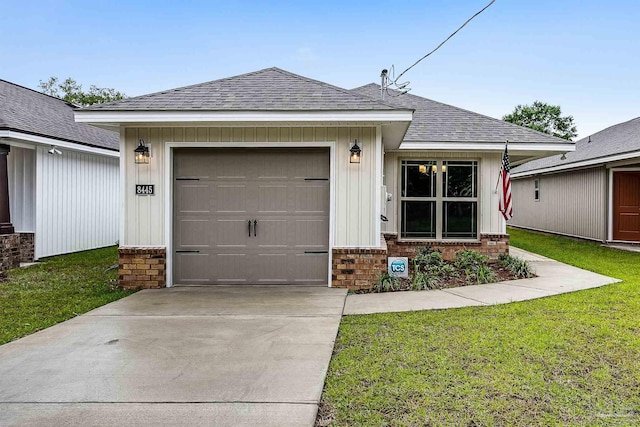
(383, 82)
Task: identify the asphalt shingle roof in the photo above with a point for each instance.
(437, 122)
(617, 139)
(26, 110)
(271, 89)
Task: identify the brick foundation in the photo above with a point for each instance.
(27, 247)
(492, 245)
(357, 269)
(9, 251)
(142, 268)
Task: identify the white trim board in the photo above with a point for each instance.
(582, 164)
(41, 140)
(610, 199)
(168, 180)
(243, 116)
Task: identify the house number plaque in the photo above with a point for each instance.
(145, 190)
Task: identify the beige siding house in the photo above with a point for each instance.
(592, 193)
(271, 177)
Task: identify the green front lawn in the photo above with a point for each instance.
(55, 290)
(572, 359)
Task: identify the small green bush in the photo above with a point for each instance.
(517, 266)
(470, 259)
(484, 274)
(386, 283)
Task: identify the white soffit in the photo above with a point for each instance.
(582, 164)
(25, 140)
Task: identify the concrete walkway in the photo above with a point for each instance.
(224, 356)
(553, 278)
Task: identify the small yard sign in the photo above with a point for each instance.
(398, 266)
(145, 190)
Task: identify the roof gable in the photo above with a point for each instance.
(437, 122)
(617, 139)
(271, 89)
(28, 111)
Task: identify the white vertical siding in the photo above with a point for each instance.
(21, 167)
(572, 203)
(77, 202)
(491, 221)
(355, 185)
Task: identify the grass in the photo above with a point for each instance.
(55, 290)
(570, 360)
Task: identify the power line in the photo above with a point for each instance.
(402, 86)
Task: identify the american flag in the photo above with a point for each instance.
(505, 205)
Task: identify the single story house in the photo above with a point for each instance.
(271, 177)
(59, 180)
(592, 193)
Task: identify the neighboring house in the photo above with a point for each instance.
(62, 176)
(270, 177)
(593, 193)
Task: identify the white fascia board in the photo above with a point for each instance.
(20, 137)
(577, 165)
(487, 146)
(385, 116)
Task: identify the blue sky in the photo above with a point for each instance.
(581, 55)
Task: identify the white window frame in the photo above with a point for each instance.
(536, 190)
(439, 200)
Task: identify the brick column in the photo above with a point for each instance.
(142, 267)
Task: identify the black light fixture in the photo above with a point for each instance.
(141, 153)
(355, 151)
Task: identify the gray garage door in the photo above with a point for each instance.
(251, 216)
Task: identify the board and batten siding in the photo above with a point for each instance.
(77, 203)
(490, 222)
(356, 191)
(21, 169)
(573, 203)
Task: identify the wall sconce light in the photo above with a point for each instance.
(141, 153)
(355, 152)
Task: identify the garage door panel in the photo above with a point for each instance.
(190, 268)
(273, 198)
(310, 269)
(193, 233)
(230, 198)
(231, 268)
(274, 268)
(311, 233)
(311, 198)
(272, 233)
(229, 233)
(192, 197)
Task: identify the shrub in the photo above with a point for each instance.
(421, 281)
(387, 283)
(470, 259)
(517, 266)
(484, 274)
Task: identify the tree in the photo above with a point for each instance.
(544, 118)
(72, 92)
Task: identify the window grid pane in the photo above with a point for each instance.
(459, 219)
(419, 219)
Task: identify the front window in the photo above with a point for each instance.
(439, 199)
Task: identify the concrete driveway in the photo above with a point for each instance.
(231, 355)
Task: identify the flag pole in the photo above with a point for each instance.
(500, 173)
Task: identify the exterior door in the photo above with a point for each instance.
(251, 216)
(626, 206)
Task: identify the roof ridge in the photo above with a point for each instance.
(39, 93)
(471, 112)
(341, 89)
